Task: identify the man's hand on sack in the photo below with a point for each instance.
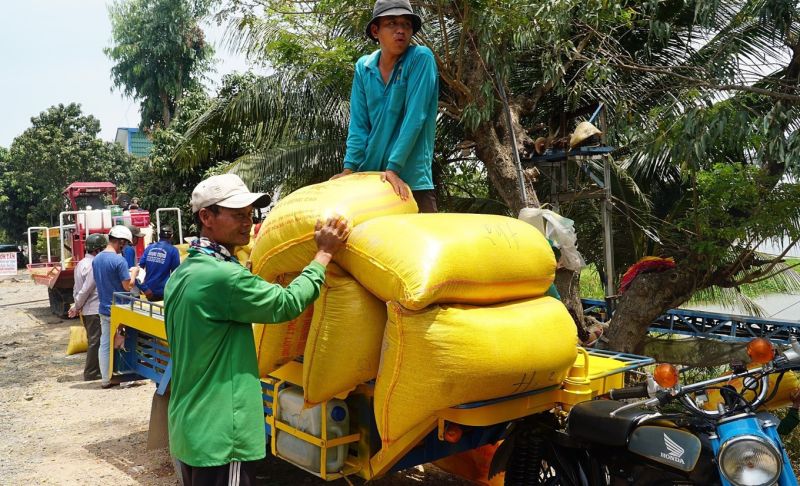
(397, 183)
(341, 174)
(72, 312)
(330, 237)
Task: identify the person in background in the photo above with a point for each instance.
(87, 303)
(792, 418)
(111, 274)
(129, 252)
(159, 260)
(216, 413)
(393, 106)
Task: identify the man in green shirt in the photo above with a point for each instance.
(216, 417)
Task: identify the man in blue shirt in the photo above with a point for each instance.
(111, 274)
(393, 106)
(129, 252)
(159, 261)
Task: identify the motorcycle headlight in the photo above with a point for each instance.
(748, 460)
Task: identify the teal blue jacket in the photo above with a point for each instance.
(394, 126)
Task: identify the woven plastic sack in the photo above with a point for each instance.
(344, 343)
(78, 342)
(285, 242)
(449, 355)
(277, 344)
(422, 259)
(782, 398)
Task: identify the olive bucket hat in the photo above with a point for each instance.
(387, 8)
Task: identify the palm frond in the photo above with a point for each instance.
(291, 166)
(272, 112)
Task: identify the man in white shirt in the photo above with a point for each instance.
(87, 304)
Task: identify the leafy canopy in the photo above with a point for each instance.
(59, 148)
(159, 52)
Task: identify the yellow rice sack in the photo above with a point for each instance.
(285, 242)
(277, 344)
(183, 251)
(422, 259)
(444, 356)
(344, 343)
(782, 398)
(78, 342)
(242, 253)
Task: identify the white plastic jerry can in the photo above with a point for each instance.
(299, 452)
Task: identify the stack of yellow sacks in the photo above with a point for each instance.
(441, 309)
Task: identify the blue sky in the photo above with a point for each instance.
(52, 52)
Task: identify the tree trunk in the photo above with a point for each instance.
(165, 114)
(568, 285)
(495, 153)
(646, 299)
(493, 147)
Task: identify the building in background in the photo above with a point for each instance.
(134, 141)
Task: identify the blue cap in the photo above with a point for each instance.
(338, 413)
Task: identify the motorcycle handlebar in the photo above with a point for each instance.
(637, 391)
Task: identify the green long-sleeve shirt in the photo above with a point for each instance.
(789, 423)
(215, 411)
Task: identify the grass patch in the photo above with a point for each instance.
(591, 288)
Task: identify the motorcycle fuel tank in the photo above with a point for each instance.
(673, 447)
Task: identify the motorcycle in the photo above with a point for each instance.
(672, 437)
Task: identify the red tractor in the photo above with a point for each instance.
(90, 208)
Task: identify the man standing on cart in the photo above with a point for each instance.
(216, 415)
(393, 106)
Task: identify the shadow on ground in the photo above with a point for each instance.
(44, 315)
(118, 453)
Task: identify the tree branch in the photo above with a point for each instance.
(702, 82)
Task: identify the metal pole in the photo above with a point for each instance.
(608, 236)
(180, 222)
(515, 150)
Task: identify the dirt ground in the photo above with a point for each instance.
(57, 429)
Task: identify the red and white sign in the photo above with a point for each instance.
(8, 263)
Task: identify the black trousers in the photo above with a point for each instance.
(91, 371)
(233, 474)
(426, 201)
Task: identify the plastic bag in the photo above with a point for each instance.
(561, 231)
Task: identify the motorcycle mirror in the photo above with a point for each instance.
(666, 375)
(760, 351)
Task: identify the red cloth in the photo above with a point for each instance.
(647, 264)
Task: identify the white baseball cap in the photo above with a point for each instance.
(228, 191)
(121, 232)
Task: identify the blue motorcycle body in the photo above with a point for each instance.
(761, 426)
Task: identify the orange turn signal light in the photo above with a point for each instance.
(760, 351)
(453, 433)
(666, 375)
